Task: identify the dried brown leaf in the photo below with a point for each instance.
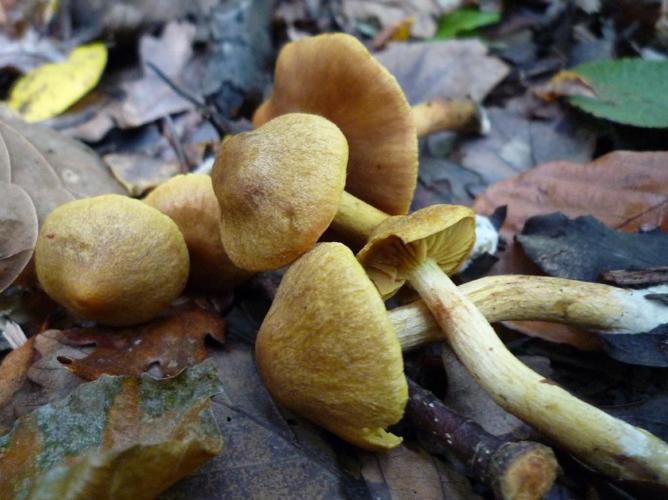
(32, 375)
(431, 70)
(172, 343)
(150, 98)
(138, 173)
(33, 173)
(18, 227)
(404, 473)
(79, 168)
(625, 190)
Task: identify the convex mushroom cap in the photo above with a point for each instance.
(444, 233)
(328, 351)
(279, 188)
(189, 201)
(335, 76)
(111, 259)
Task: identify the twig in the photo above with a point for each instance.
(174, 141)
(208, 112)
(513, 469)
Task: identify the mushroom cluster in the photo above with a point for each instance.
(334, 156)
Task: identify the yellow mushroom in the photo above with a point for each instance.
(327, 350)
(111, 259)
(420, 249)
(189, 201)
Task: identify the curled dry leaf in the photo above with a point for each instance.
(624, 190)
(31, 171)
(18, 227)
(107, 434)
(173, 343)
(52, 170)
(79, 168)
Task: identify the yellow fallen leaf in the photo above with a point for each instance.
(49, 90)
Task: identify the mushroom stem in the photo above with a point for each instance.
(513, 469)
(598, 439)
(594, 306)
(356, 219)
(449, 114)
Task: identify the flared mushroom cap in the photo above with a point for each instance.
(279, 188)
(190, 202)
(328, 351)
(335, 76)
(444, 233)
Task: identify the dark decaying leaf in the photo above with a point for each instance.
(28, 51)
(625, 190)
(117, 437)
(584, 248)
(406, 472)
(150, 97)
(138, 172)
(18, 232)
(649, 414)
(266, 454)
(518, 142)
(31, 376)
(168, 344)
(457, 68)
(34, 374)
(646, 348)
(239, 54)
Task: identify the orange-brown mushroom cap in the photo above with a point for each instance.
(444, 233)
(279, 188)
(335, 76)
(190, 202)
(328, 351)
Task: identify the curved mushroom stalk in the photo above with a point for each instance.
(418, 248)
(449, 114)
(593, 306)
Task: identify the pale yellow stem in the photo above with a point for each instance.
(598, 439)
(592, 306)
(448, 114)
(356, 219)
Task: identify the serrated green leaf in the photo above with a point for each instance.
(629, 91)
(116, 437)
(464, 21)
